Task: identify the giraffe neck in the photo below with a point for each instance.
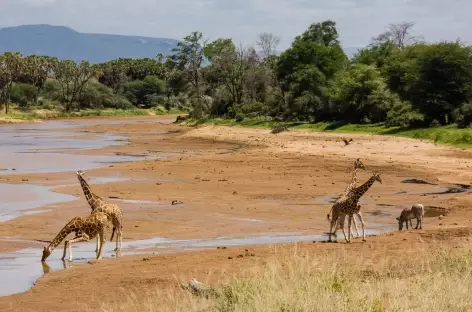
(93, 200)
(353, 182)
(68, 228)
(361, 190)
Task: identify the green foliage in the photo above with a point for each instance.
(144, 92)
(96, 95)
(396, 80)
(444, 80)
(402, 114)
(23, 94)
(361, 95)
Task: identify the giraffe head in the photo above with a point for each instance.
(80, 173)
(376, 177)
(358, 164)
(46, 253)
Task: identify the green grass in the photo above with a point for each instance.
(38, 114)
(450, 135)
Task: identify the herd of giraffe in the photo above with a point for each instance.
(87, 228)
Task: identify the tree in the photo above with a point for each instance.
(443, 81)
(114, 74)
(360, 94)
(305, 69)
(188, 56)
(216, 47)
(73, 78)
(268, 43)
(324, 33)
(37, 70)
(398, 34)
(11, 69)
(230, 66)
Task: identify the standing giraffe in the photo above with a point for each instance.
(348, 205)
(85, 229)
(98, 204)
(357, 165)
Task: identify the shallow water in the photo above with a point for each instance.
(32, 149)
(19, 270)
(16, 198)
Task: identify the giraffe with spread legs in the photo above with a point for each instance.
(357, 165)
(85, 229)
(98, 204)
(348, 204)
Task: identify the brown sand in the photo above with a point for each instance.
(225, 176)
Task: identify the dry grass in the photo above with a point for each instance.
(430, 281)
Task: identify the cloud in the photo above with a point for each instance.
(357, 20)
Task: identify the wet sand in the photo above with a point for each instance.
(238, 187)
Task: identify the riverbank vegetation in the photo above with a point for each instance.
(398, 80)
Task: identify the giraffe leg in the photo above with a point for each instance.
(80, 238)
(102, 243)
(331, 224)
(121, 238)
(342, 225)
(97, 244)
(355, 225)
(112, 233)
(362, 224)
(118, 237)
(338, 224)
(349, 228)
(406, 222)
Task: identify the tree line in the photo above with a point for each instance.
(397, 79)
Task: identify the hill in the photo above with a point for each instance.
(66, 43)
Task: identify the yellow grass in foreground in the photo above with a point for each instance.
(428, 281)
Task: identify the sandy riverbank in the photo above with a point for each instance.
(235, 182)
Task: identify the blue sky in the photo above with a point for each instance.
(357, 20)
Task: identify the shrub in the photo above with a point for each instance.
(23, 94)
(463, 115)
(97, 95)
(402, 114)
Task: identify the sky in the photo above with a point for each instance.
(357, 20)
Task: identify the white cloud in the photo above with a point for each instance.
(357, 20)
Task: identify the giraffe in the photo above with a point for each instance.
(357, 165)
(98, 204)
(348, 205)
(85, 228)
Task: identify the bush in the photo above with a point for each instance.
(23, 94)
(402, 114)
(361, 94)
(52, 90)
(144, 91)
(97, 95)
(463, 115)
(239, 117)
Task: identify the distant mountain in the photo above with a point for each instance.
(65, 43)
